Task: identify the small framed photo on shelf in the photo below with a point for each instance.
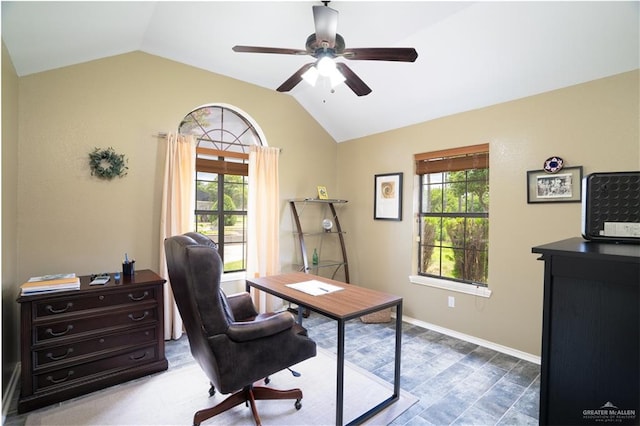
(387, 196)
(564, 186)
(322, 193)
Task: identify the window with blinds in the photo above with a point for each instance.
(454, 214)
(222, 168)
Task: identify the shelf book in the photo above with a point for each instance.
(50, 283)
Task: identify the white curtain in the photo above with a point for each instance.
(178, 198)
(263, 222)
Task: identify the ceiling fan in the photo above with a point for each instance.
(326, 45)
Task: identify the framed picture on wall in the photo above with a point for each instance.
(564, 186)
(387, 196)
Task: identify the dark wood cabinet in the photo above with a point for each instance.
(78, 341)
(590, 372)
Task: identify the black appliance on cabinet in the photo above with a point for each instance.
(611, 207)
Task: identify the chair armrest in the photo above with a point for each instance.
(252, 330)
(242, 306)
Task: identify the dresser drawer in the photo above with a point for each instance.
(95, 325)
(76, 304)
(76, 373)
(74, 352)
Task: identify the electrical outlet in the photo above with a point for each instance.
(452, 302)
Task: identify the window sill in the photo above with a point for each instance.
(450, 285)
(233, 276)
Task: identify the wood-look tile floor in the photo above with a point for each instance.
(457, 382)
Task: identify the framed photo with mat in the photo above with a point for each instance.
(564, 186)
(387, 196)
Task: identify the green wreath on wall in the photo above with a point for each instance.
(107, 164)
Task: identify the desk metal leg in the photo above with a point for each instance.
(396, 374)
(340, 374)
(299, 314)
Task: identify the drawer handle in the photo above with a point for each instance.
(136, 299)
(63, 356)
(62, 333)
(146, 314)
(138, 358)
(52, 380)
(50, 309)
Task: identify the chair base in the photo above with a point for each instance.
(249, 394)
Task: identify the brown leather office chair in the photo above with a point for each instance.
(234, 345)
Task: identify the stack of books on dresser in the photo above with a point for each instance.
(50, 283)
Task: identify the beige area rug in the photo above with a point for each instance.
(172, 397)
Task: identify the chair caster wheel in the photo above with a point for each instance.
(266, 380)
(212, 391)
(298, 405)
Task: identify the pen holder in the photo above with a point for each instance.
(127, 268)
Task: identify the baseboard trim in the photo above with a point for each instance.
(7, 397)
(485, 343)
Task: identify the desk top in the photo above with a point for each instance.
(352, 302)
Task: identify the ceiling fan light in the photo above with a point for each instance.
(336, 78)
(326, 66)
(311, 76)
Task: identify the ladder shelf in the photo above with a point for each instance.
(307, 266)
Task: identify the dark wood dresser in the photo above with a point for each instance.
(78, 341)
(590, 372)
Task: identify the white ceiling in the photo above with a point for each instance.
(470, 54)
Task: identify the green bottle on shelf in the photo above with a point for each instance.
(314, 258)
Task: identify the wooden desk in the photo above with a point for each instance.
(343, 305)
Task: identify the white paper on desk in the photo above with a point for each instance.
(315, 288)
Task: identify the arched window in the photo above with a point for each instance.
(224, 136)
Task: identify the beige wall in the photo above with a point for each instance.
(594, 125)
(9, 264)
(71, 221)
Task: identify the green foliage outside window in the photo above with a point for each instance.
(231, 233)
(455, 225)
(235, 195)
(229, 219)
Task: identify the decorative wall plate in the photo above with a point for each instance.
(553, 164)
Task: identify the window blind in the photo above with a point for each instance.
(222, 167)
(453, 160)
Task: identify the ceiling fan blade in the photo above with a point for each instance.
(326, 22)
(402, 54)
(294, 79)
(258, 49)
(354, 82)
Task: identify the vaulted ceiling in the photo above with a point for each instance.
(470, 54)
